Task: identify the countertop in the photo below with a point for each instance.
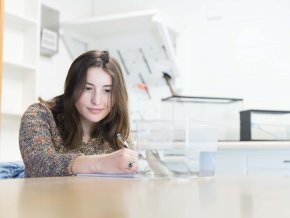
(253, 145)
(215, 197)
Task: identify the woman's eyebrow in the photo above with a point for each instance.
(91, 84)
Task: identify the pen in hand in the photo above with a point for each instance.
(124, 141)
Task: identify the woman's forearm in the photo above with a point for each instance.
(87, 164)
(116, 162)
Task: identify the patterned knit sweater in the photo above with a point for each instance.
(42, 147)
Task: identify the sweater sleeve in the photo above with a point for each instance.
(37, 148)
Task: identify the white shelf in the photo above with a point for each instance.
(14, 66)
(20, 39)
(20, 56)
(27, 8)
(20, 20)
(16, 115)
(117, 24)
(113, 31)
(18, 90)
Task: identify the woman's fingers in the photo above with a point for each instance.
(132, 166)
(130, 160)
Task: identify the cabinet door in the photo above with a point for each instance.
(268, 165)
(231, 163)
(253, 162)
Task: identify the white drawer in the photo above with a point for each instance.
(267, 172)
(269, 161)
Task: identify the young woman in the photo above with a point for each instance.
(76, 132)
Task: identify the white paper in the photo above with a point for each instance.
(117, 175)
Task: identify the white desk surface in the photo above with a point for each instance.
(84, 197)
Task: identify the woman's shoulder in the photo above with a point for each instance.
(38, 109)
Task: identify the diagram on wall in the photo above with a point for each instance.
(143, 70)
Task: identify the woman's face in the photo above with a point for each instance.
(94, 104)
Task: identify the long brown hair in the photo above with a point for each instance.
(117, 121)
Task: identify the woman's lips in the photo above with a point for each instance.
(95, 110)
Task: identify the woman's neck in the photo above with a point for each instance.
(86, 138)
(87, 130)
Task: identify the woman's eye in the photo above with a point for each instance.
(108, 90)
(89, 88)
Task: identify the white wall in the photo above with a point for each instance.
(229, 48)
(53, 70)
(233, 49)
(240, 49)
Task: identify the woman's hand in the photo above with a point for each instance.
(121, 161)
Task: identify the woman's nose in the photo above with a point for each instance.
(96, 98)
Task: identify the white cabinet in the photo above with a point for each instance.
(253, 158)
(20, 58)
(123, 30)
(271, 163)
(230, 163)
